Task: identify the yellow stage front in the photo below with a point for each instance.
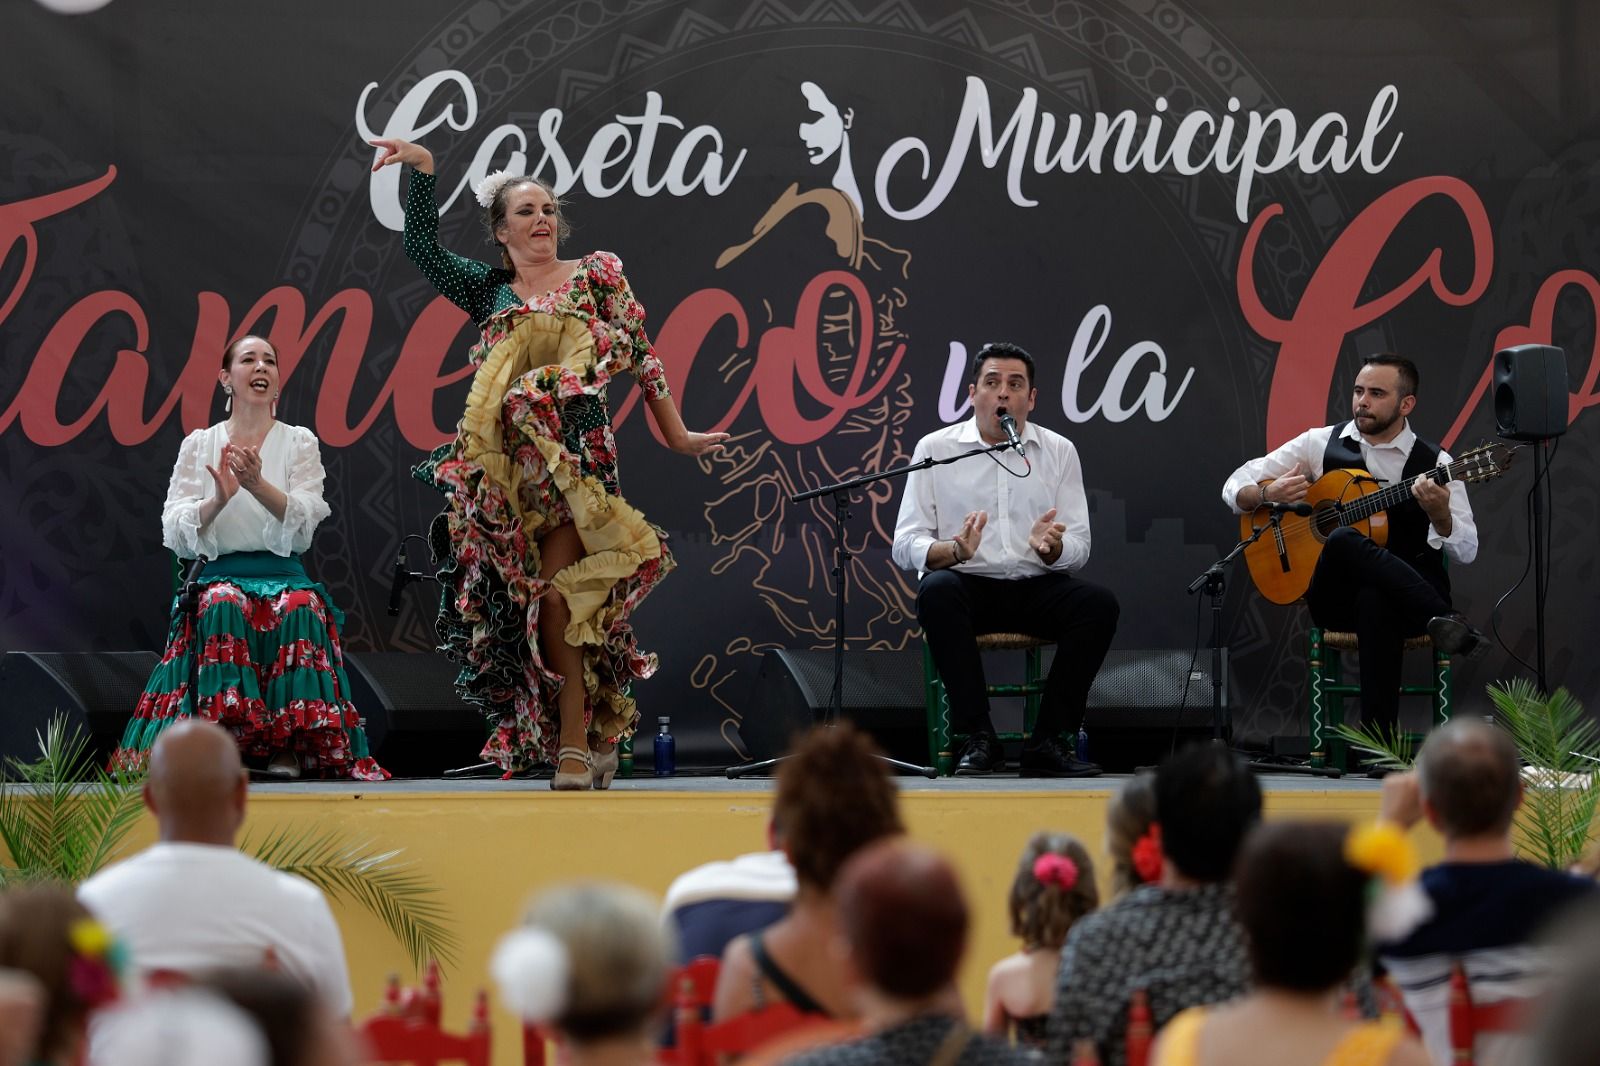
(490, 848)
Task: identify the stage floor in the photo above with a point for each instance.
(489, 845)
(712, 782)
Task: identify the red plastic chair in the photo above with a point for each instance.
(702, 1043)
(406, 1028)
(1469, 1020)
(1141, 1032)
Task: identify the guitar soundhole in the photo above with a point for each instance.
(1324, 521)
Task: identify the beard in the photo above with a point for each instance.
(1372, 424)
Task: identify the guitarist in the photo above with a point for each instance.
(1383, 595)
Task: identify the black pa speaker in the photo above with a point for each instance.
(1530, 392)
(1145, 703)
(882, 695)
(95, 691)
(416, 724)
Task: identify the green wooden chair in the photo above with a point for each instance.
(1328, 690)
(941, 742)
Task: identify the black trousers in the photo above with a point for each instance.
(1362, 588)
(1079, 616)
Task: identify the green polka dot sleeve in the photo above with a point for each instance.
(477, 288)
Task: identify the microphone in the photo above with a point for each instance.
(194, 571)
(1009, 424)
(1301, 508)
(397, 583)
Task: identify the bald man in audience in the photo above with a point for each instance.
(192, 902)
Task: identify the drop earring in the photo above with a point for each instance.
(274, 411)
(227, 404)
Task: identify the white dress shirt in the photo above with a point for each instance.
(290, 459)
(196, 907)
(1386, 462)
(937, 501)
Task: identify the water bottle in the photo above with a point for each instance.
(666, 748)
(1082, 748)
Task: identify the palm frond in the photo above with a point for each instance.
(1391, 749)
(404, 901)
(63, 817)
(1560, 786)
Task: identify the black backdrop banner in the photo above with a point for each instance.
(1197, 214)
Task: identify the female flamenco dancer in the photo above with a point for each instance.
(246, 494)
(546, 561)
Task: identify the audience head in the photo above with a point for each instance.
(903, 915)
(298, 1030)
(1302, 905)
(186, 1027)
(1053, 888)
(1470, 774)
(591, 960)
(196, 786)
(47, 934)
(1206, 801)
(1129, 818)
(834, 797)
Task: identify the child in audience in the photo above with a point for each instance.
(1133, 840)
(1054, 887)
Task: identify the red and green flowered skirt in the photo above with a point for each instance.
(533, 451)
(271, 671)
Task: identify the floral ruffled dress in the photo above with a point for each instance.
(534, 449)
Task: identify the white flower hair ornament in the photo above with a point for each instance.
(490, 186)
(532, 968)
(1397, 904)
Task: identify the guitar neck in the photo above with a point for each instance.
(1394, 495)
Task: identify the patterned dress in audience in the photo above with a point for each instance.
(919, 1042)
(534, 450)
(1182, 947)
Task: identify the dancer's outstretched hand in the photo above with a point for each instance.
(394, 150)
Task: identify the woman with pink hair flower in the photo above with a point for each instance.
(1053, 888)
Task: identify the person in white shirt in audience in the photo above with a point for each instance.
(193, 902)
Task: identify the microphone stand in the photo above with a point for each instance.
(403, 576)
(1214, 583)
(841, 492)
(189, 603)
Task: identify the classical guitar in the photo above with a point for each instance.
(1282, 560)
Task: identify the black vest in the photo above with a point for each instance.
(1408, 522)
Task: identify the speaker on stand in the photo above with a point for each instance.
(1531, 404)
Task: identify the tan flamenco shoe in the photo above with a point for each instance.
(605, 766)
(573, 782)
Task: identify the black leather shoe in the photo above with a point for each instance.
(981, 755)
(1050, 758)
(1454, 635)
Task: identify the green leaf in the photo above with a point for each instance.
(63, 818)
(358, 872)
(1391, 750)
(1561, 788)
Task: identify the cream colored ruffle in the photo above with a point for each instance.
(617, 541)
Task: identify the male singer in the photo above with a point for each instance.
(995, 538)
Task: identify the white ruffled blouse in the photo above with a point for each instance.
(291, 459)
